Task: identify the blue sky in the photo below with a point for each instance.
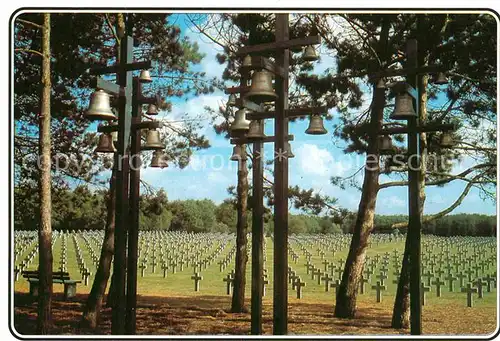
(317, 159)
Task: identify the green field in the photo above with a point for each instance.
(478, 249)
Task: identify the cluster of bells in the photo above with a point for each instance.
(261, 91)
(403, 110)
(100, 109)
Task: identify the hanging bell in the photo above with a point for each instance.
(381, 84)
(441, 79)
(289, 153)
(145, 77)
(385, 143)
(236, 153)
(446, 140)
(403, 109)
(256, 130)
(316, 126)
(153, 140)
(231, 102)
(240, 122)
(158, 159)
(152, 109)
(310, 54)
(99, 107)
(247, 61)
(105, 144)
(261, 89)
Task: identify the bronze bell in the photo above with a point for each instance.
(152, 110)
(385, 143)
(403, 108)
(310, 54)
(105, 144)
(99, 107)
(289, 153)
(145, 77)
(446, 140)
(316, 126)
(240, 122)
(256, 130)
(231, 102)
(153, 140)
(236, 153)
(158, 159)
(441, 79)
(247, 61)
(261, 89)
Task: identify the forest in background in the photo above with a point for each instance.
(82, 208)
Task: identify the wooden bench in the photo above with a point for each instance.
(57, 277)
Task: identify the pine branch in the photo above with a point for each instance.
(31, 23)
(461, 176)
(444, 212)
(29, 51)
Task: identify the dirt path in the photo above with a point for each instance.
(200, 315)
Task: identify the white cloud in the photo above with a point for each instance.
(394, 201)
(318, 161)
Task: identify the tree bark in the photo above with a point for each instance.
(238, 301)
(90, 317)
(44, 320)
(120, 27)
(401, 310)
(347, 292)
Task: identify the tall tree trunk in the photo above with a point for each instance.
(238, 302)
(347, 293)
(44, 321)
(401, 310)
(345, 306)
(120, 27)
(91, 312)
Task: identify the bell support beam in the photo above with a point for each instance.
(259, 62)
(237, 90)
(428, 128)
(267, 139)
(110, 88)
(419, 129)
(402, 87)
(279, 45)
(414, 208)
(280, 241)
(133, 230)
(411, 70)
(134, 126)
(122, 218)
(156, 99)
(245, 103)
(102, 70)
(295, 112)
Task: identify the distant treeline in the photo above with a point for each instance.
(461, 224)
(81, 209)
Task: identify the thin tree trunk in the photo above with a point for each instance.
(120, 31)
(347, 293)
(44, 320)
(345, 306)
(238, 301)
(401, 310)
(90, 317)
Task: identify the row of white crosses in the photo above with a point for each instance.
(25, 244)
(468, 260)
(177, 251)
(476, 255)
(84, 271)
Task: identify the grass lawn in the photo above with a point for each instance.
(171, 306)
